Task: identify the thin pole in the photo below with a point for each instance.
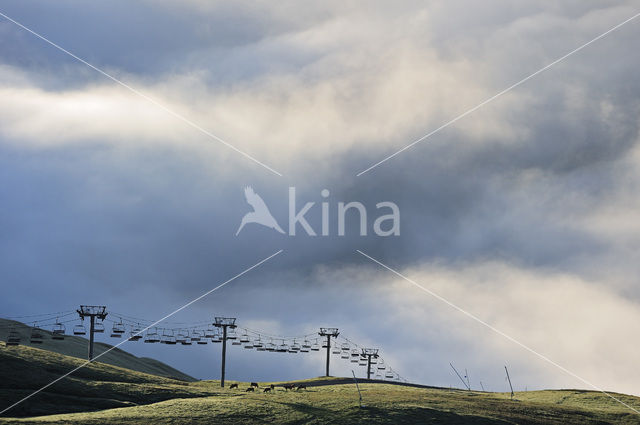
(357, 387)
(463, 381)
(91, 330)
(510, 386)
(224, 353)
(328, 352)
(369, 366)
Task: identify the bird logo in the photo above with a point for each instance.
(260, 213)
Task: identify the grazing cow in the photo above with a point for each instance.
(249, 390)
(232, 386)
(289, 386)
(301, 387)
(266, 390)
(254, 384)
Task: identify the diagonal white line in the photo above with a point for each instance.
(448, 123)
(144, 96)
(499, 332)
(143, 330)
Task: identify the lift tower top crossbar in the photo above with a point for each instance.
(328, 332)
(224, 323)
(92, 312)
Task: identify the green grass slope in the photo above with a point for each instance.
(105, 394)
(96, 386)
(76, 346)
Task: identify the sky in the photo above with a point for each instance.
(523, 213)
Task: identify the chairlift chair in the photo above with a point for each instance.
(270, 346)
(182, 335)
(37, 335)
(117, 330)
(388, 375)
(196, 335)
(98, 328)
(58, 331)
(336, 350)
(231, 334)
(282, 348)
(210, 332)
(216, 338)
(136, 333)
(257, 343)
(248, 345)
(186, 342)
(152, 336)
(355, 352)
(168, 337)
(362, 362)
(13, 338)
(345, 355)
(79, 329)
(244, 338)
(345, 346)
(315, 346)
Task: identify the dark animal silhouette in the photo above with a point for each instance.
(301, 387)
(232, 386)
(289, 386)
(249, 390)
(266, 390)
(254, 384)
(273, 387)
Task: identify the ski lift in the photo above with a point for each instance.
(168, 337)
(249, 345)
(98, 328)
(231, 334)
(354, 360)
(202, 342)
(216, 338)
(196, 335)
(282, 348)
(152, 336)
(244, 338)
(388, 375)
(210, 332)
(187, 341)
(355, 352)
(37, 335)
(58, 331)
(381, 365)
(336, 349)
(270, 346)
(79, 329)
(345, 355)
(136, 333)
(182, 335)
(315, 346)
(13, 338)
(117, 330)
(295, 346)
(257, 343)
(345, 346)
(306, 346)
(324, 343)
(362, 362)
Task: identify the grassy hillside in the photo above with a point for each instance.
(76, 346)
(105, 394)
